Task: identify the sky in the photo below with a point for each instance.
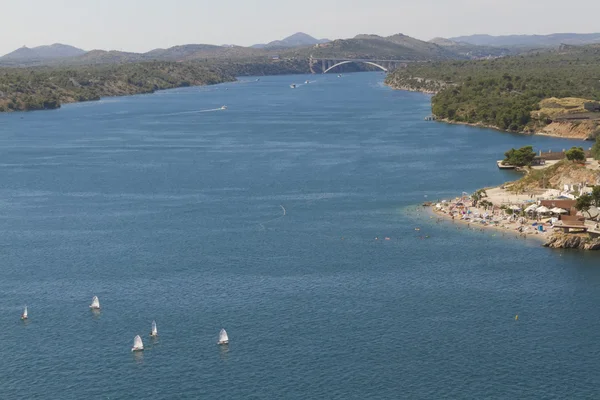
(142, 25)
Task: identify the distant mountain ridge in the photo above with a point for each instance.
(301, 46)
(553, 40)
(53, 51)
(471, 50)
(298, 39)
(297, 46)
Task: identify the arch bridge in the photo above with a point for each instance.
(327, 64)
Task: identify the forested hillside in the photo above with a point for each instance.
(23, 89)
(505, 92)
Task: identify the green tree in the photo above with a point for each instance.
(575, 154)
(596, 149)
(477, 196)
(519, 158)
(486, 204)
(583, 203)
(596, 196)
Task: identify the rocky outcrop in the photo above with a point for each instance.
(571, 130)
(581, 241)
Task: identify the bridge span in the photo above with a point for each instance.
(327, 64)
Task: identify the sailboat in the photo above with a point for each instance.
(95, 303)
(223, 338)
(138, 345)
(24, 315)
(154, 331)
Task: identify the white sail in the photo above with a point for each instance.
(154, 331)
(95, 303)
(24, 316)
(138, 345)
(223, 338)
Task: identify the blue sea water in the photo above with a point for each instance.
(262, 219)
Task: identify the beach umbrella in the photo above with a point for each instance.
(531, 208)
(543, 210)
(557, 210)
(438, 205)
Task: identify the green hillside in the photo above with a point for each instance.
(23, 89)
(505, 92)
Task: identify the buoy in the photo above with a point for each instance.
(517, 317)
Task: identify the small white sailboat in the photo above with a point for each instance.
(95, 303)
(154, 331)
(223, 338)
(138, 345)
(24, 315)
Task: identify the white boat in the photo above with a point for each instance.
(95, 303)
(223, 338)
(24, 315)
(293, 86)
(154, 331)
(307, 82)
(340, 75)
(224, 108)
(138, 345)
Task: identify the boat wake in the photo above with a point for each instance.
(262, 225)
(194, 112)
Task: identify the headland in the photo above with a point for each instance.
(545, 93)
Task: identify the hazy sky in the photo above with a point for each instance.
(141, 25)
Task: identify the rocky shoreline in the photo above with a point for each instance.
(572, 241)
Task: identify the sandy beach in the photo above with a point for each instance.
(462, 210)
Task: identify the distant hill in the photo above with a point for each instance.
(532, 41)
(471, 50)
(184, 51)
(188, 52)
(54, 51)
(104, 57)
(296, 40)
(201, 51)
(395, 47)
